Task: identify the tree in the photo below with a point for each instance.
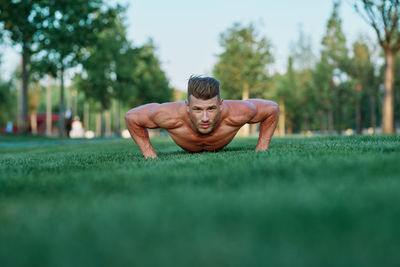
(303, 63)
(334, 56)
(98, 78)
(149, 79)
(383, 16)
(33, 103)
(362, 71)
(7, 103)
(102, 58)
(288, 96)
(70, 27)
(113, 69)
(301, 52)
(242, 66)
(7, 100)
(23, 21)
(397, 85)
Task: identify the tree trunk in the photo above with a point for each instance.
(61, 125)
(322, 116)
(117, 119)
(86, 116)
(388, 96)
(74, 99)
(339, 111)
(331, 127)
(331, 120)
(98, 124)
(107, 118)
(23, 108)
(48, 108)
(103, 124)
(282, 117)
(306, 123)
(372, 103)
(358, 117)
(34, 122)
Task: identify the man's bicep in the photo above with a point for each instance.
(264, 109)
(143, 116)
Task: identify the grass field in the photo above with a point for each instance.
(327, 201)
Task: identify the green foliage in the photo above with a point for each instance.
(333, 92)
(288, 93)
(295, 89)
(114, 69)
(334, 48)
(302, 53)
(329, 201)
(70, 26)
(150, 80)
(384, 17)
(334, 58)
(365, 83)
(22, 20)
(55, 98)
(8, 97)
(99, 78)
(243, 63)
(397, 91)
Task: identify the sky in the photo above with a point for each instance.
(186, 33)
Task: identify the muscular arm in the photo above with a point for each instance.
(137, 121)
(267, 113)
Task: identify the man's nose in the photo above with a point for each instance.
(204, 117)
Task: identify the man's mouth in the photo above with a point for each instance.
(204, 126)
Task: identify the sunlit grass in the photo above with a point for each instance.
(329, 201)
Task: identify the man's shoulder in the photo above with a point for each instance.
(168, 115)
(240, 104)
(169, 108)
(240, 111)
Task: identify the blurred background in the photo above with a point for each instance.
(73, 68)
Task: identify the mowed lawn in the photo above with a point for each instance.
(321, 201)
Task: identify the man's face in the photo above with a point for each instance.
(204, 114)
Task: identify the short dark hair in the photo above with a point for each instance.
(203, 87)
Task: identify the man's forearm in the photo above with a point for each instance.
(141, 137)
(267, 129)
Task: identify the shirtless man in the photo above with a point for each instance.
(204, 122)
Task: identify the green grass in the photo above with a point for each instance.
(27, 138)
(329, 201)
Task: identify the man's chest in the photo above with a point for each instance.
(186, 138)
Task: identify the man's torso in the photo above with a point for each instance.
(179, 128)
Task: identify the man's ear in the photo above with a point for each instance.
(220, 104)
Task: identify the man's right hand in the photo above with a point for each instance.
(137, 122)
(150, 155)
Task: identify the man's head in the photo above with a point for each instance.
(204, 103)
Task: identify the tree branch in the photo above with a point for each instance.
(384, 19)
(370, 18)
(395, 29)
